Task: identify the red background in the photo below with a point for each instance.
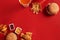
(42, 26)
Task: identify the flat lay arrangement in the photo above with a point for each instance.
(29, 20)
(36, 7)
(13, 35)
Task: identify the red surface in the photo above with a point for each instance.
(42, 26)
